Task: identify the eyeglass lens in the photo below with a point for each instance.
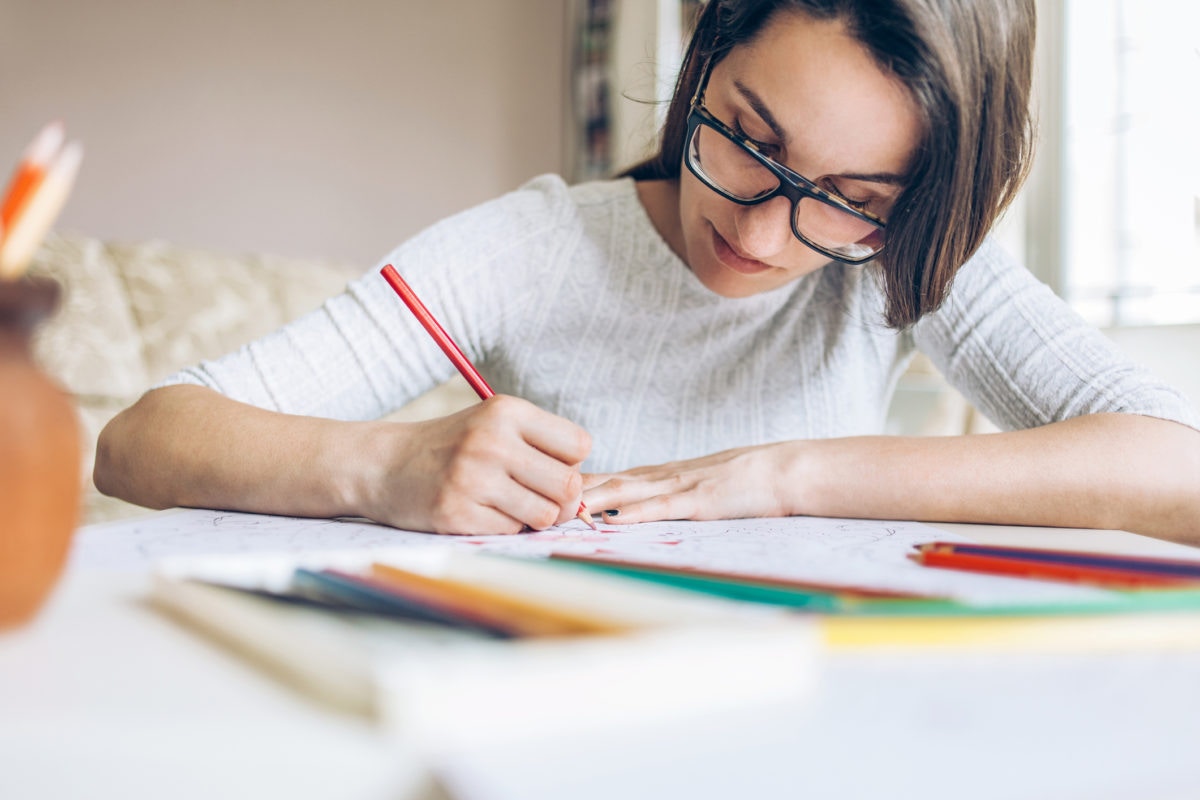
(729, 168)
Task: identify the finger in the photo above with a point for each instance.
(478, 520)
(556, 436)
(594, 479)
(558, 483)
(528, 507)
(651, 509)
(618, 491)
(553, 480)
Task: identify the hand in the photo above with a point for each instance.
(744, 482)
(496, 467)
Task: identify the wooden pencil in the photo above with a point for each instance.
(452, 351)
(1182, 568)
(522, 616)
(29, 172)
(1047, 570)
(844, 590)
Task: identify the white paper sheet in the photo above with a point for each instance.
(865, 553)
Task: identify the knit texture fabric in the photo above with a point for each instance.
(568, 297)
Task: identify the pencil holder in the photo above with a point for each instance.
(39, 457)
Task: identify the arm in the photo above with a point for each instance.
(1018, 353)
(492, 468)
(291, 423)
(1099, 471)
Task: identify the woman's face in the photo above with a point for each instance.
(814, 100)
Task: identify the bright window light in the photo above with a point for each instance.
(1131, 181)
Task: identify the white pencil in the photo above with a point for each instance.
(37, 214)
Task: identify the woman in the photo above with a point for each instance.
(735, 311)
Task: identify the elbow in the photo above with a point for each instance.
(1173, 491)
(106, 471)
(120, 447)
(1188, 493)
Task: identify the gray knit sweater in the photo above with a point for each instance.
(568, 297)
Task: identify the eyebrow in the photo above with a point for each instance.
(760, 108)
(890, 178)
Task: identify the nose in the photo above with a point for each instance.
(765, 229)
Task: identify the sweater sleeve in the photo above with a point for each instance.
(362, 354)
(1024, 358)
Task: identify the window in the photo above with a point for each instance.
(1129, 164)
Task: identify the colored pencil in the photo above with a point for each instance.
(452, 351)
(1181, 568)
(523, 617)
(28, 174)
(806, 595)
(1113, 578)
(373, 596)
(36, 194)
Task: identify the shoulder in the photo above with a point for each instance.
(993, 268)
(993, 285)
(552, 191)
(545, 203)
(612, 192)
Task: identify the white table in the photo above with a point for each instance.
(105, 697)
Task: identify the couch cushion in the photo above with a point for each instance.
(92, 345)
(191, 304)
(133, 313)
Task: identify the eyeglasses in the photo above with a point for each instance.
(734, 167)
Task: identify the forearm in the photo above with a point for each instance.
(1104, 471)
(189, 446)
(496, 467)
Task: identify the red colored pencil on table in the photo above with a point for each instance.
(947, 557)
(452, 351)
(1176, 567)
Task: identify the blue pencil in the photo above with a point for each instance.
(365, 594)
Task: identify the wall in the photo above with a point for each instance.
(302, 128)
(647, 52)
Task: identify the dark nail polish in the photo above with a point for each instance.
(612, 512)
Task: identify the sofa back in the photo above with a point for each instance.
(133, 313)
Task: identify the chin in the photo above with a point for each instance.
(721, 280)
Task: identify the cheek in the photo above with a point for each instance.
(698, 206)
(687, 195)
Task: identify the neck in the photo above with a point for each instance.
(660, 198)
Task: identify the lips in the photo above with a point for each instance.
(727, 256)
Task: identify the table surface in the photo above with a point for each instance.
(102, 696)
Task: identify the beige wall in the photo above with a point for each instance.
(297, 127)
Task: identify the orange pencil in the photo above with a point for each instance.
(40, 200)
(29, 172)
(521, 617)
(460, 361)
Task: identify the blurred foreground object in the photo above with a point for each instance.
(39, 433)
(39, 458)
(36, 193)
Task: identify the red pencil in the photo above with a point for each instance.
(1072, 573)
(460, 361)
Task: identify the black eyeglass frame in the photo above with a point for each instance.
(792, 185)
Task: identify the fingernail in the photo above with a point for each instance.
(612, 512)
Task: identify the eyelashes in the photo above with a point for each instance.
(772, 151)
(766, 149)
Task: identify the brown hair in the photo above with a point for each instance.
(968, 65)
